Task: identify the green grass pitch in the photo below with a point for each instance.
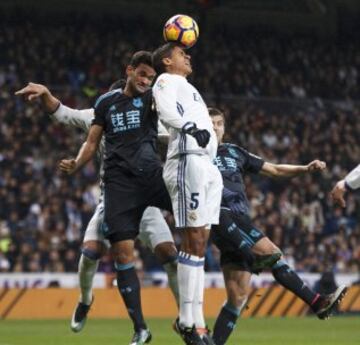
(271, 331)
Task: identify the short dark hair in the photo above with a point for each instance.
(215, 112)
(141, 57)
(161, 53)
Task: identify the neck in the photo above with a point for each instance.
(183, 74)
(129, 91)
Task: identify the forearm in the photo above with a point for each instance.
(50, 102)
(352, 180)
(170, 117)
(289, 170)
(86, 153)
(74, 117)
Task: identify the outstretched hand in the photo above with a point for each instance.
(68, 166)
(33, 91)
(338, 192)
(316, 165)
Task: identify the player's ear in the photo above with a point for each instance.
(129, 70)
(166, 61)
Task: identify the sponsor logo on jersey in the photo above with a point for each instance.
(225, 163)
(197, 97)
(125, 121)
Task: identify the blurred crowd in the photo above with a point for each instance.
(43, 213)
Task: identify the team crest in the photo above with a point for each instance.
(138, 103)
(192, 216)
(161, 84)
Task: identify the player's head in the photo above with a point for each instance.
(218, 121)
(140, 72)
(172, 58)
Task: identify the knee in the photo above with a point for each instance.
(123, 255)
(238, 298)
(123, 258)
(194, 242)
(93, 250)
(166, 252)
(198, 247)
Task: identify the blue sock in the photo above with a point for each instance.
(225, 323)
(289, 279)
(129, 288)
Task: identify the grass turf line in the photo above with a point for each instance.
(270, 331)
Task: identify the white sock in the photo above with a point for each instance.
(198, 312)
(187, 271)
(87, 270)
(171, 271)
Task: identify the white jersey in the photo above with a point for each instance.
(178, 102)
(352, 179)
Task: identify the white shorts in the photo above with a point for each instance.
(153, 228)
(195, 186)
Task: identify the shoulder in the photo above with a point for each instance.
(166, 78)
(107, 98)
(147, 94)
(234, 150)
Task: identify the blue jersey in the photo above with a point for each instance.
(130, 130)
(233, 162)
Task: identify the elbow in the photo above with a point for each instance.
(275, 173)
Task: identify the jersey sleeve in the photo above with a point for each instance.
(253, 163)
(100, 109)
(165, 96)
(352, 179)
(73, 117)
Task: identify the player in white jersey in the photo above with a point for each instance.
(193, 182)
(351, 182)
(154, 232)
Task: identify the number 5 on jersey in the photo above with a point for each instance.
(194, 204)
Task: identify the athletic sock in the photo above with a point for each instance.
(86, 273)
(226, 323)
(129, 288)
(171, 271)
(288, 278)
(198, 313)
(186, 273)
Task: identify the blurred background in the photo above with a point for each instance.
(286, 73)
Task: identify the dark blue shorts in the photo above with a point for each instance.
(233, 232)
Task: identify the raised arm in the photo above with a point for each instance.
(34, 91)
(53, 106)
(350, 182)
(86, 152)
(289, 170)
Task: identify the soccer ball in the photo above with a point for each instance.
(181, 29)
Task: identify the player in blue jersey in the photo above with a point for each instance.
(236, 232)
(154, 232)
(132, 174)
